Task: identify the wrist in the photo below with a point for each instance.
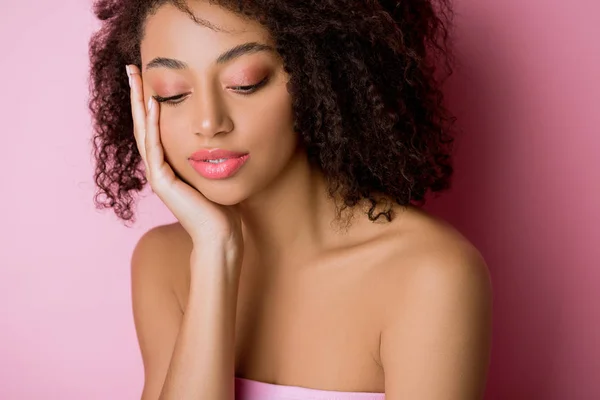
(218, 262)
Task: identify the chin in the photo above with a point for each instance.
(225, 199)
(222, 192)
(227, 192)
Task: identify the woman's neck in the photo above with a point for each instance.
(292, 217)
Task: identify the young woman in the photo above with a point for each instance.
(294, 141)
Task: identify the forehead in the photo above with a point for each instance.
(172, 32)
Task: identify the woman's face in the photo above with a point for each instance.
(237, 101)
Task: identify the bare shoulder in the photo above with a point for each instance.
(164, 251)
(158, 264)
(436, 315)
(425, 248)
(164, 238)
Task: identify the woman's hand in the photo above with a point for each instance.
(208, 223)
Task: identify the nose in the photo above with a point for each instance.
(211, 117)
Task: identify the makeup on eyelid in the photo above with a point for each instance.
(167, 85)
(165, 90)
(168, 88)
(246, 76)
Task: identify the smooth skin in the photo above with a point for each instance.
(254, 281)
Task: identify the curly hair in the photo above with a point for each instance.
(365, 81)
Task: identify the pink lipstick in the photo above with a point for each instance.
(217, 163)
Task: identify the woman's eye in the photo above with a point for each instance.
(243, 90)
(249, 89)
(173, 100)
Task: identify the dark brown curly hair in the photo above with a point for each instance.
(365, 81)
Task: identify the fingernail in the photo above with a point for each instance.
(150, 104)
(128, 74)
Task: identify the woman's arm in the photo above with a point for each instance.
(189, 355)
(203, 363)
(436, 344)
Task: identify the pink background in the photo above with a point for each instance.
(526, 192)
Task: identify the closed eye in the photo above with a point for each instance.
(243, 90)
(170, 100)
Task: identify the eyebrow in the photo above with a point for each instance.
(233, 53)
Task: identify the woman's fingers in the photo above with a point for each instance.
(161, 173)
(180, 198)
(138, 110)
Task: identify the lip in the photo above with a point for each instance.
(215, 154)
(225, 169)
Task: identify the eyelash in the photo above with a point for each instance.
(243, 90)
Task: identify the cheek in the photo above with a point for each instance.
(172, 137)
(274, 123)
(274, 143)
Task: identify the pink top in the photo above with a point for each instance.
(246, 389)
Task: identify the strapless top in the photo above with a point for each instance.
(246, 389)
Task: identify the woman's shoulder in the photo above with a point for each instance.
(164, 242)
(433, 300)
(427, 257)
(162, 254)
(423, 241)
(425, 236)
